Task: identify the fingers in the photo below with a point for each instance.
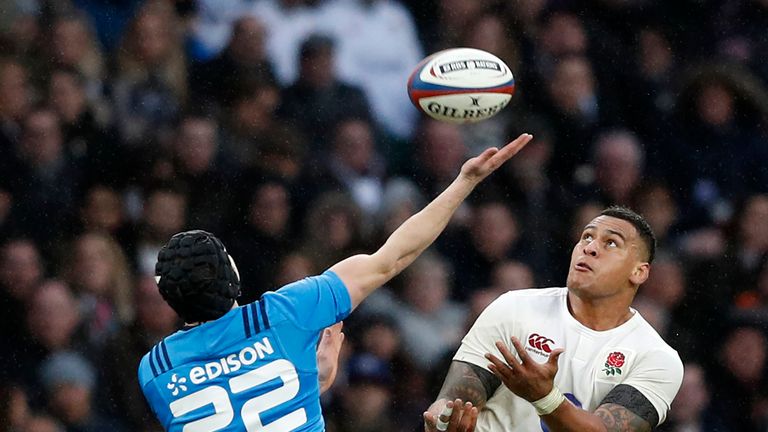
(454, 417)
(524, 358)
(512, 361)
(487, 154)
(512, 148)
(498, 367)
(429, 421)
(457, 420)
(444, 419)
(552, 360)
(468, 419)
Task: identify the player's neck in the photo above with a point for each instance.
(598, 314)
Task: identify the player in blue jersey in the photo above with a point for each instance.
(254, 367)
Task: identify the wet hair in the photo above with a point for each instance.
(196, 276)
(641, 225)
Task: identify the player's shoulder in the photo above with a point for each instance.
(155, 362)
(651, 345)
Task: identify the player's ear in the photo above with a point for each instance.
(640, 273)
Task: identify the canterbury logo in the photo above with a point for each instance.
(540, 342)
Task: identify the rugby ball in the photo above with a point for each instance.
(461, 85)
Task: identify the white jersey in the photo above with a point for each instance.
(593, 363)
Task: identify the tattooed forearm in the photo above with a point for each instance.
(617, 418)
(469, 383)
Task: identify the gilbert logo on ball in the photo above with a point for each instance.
(461, 85)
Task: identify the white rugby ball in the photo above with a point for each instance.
(461, 85)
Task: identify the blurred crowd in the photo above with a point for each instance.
(284, 127)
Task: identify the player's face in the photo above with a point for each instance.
(608, 259)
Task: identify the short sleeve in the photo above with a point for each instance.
(486, 330)
(658, 376)
(313, 303)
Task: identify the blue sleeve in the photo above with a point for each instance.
(315, 302)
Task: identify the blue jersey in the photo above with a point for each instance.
(253, 369)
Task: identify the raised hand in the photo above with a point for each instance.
(328, 355)
(525, 377)
(479, 167)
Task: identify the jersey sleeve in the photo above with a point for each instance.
(315, 302)
(658, 376)
(486, 330)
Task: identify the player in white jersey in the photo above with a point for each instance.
(569, 359)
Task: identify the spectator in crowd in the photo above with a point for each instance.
(351, 165)
(154, 319)
(203, 171)
(14, 408)
(43, 423)
(573, 106)
(15, 101)
(440, 150)
(70, 385)
(691, 410)
(656, 202)
(453, 18)
(318, 98)
(427, 309)
(718, 150)
(294, 266)
(288, 23)
(164, 214)
(52, 324)
(332, 229)
(49, 181)
(757, 297)
(359, 26)
(365, 406)
(21, 271)
(252, 125)
(86, 140)
(739, 377)
(151, 81)
(72, 45)
(748, 249)
(618, 163)
(98, 272)
(102, 211)
(263, 238)
(511, 275)
(492, 237)
(653, 85)
(244, 55)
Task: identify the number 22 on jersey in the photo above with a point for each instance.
(251, 411)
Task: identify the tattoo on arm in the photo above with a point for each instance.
(626, 409)
(617, 418)
(469, 383)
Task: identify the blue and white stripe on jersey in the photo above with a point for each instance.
(255, 320)
(159, 360)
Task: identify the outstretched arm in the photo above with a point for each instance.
(364, 273)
